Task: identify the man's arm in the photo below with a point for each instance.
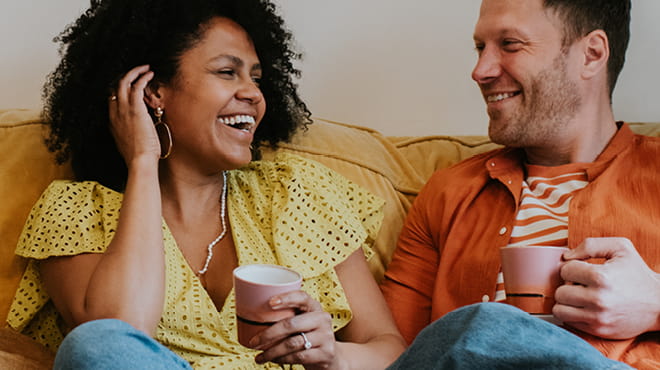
(409, 280)
(618, 299)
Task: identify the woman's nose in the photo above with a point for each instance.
(250, 91)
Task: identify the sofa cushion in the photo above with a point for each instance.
(646, 128)
(18, 352)
(431, 153)
(27, 167)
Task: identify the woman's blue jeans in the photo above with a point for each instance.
(114, 344)
(499, 336)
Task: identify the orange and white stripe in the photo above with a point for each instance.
(542, 217)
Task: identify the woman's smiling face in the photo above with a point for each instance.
(214, 104)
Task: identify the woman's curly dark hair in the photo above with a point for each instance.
(113, 36)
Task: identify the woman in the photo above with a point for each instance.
(170, 143)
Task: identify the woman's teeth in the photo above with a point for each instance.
(239, 121)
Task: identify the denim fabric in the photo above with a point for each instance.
(499, 336)
(113, 344)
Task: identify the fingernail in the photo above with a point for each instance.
(259, 359)
(254, 342)
(275, 302)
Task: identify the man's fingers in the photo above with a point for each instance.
(569, 313)
(598, 248)
(582, 272)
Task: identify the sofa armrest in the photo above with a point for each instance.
(27, 167)
(17, 351)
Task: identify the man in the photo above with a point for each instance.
(546, 69)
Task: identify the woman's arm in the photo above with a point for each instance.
(127, 282)
(371, 339)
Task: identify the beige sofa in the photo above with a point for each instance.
(394, 168)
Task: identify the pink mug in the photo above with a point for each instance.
(254, 286)
(531, 276)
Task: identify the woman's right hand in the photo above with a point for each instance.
(130, 122)
(117, 283)
(283, 342)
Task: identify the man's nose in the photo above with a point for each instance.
(488, 66)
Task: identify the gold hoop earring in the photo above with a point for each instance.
(164, 134)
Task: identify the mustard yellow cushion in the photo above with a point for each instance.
(431, 153)
(27, 168)
(18, 352)
(646, 128)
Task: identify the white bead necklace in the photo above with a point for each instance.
(223, 206)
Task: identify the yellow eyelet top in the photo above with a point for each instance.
(290, 211)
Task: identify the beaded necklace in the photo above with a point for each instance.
(223, 206)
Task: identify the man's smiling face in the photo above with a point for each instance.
(523, 72)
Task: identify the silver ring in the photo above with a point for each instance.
(113, 97)
(307, 344)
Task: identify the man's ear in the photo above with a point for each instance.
(596, 49)
(154, 94)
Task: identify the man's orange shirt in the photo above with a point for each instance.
(448, 251)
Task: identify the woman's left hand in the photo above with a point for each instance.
(283, 343)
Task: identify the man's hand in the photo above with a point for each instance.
(618, 299)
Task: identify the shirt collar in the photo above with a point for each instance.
(506, 165)
(621, 141)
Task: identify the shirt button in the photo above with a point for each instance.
(485, 298)
(503, 230)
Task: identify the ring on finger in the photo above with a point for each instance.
(307, 344)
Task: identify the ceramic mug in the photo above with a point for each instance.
(254, 286)
(531, 276)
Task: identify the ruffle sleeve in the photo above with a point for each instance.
(320, 214)
(68, 219)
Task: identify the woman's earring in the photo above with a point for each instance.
(164, 134)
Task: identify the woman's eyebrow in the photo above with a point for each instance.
(236, 61)
(231, 58)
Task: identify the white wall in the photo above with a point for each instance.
(402, 67)
(27, 55)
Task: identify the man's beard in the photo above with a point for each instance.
(551, 101)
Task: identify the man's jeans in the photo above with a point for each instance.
(499, 336)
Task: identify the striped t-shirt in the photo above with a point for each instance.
(542, 217)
